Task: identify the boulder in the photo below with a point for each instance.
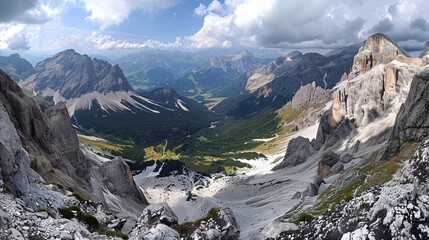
(329, 159)
(298, 151)
(159, 232)
(337, 168)
(346, 158)
(155, 219)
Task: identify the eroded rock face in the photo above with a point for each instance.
(306, 94)
(425, 50)
(412, 123)
(377, 84)
(379, 48)
(329, 159)
(48, 144)
(298, 150)
(35, 144)
(397, 210)
(117, 177)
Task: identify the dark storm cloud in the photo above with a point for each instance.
(420, 23)
(383, 26)
(19, 11)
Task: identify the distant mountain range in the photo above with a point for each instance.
(99, 98)
(273, 85)
(15, 66)
(189, 75)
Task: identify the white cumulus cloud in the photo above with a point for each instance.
(314, 23)
(107, 42)
(13, 37)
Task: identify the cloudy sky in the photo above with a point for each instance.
(94, 26)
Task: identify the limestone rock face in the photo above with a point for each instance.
(394, 210)
(36, 146)
(15, 163)
(306, 94)
(35, 135)
(376, 86)
(412, 123)
(379, 48)
(329, 159)
(298, 150)
(425, 50)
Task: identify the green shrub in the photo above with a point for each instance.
(75, 212)
(303, 217)
(90, 220)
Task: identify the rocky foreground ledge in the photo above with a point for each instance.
(79, 219)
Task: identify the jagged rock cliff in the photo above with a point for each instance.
(425, 50)
(412, 123)
(377, 85)
(38, 147)
(379, 48)
(398, 209)
(306, 94)
(373, 92)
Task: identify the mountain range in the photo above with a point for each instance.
(99, 98)
(274, 84)
(307, 146)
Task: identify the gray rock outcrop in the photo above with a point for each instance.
(379, 48)
(380, 76)
(298, 150)
(223, 227)
(412, 123)
(425, 50)
(156, 221)
(394, 210)
(329, 159)
(39, 147)
(306, 94)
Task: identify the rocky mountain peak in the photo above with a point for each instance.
(15, 66)
(293, 55)
(379, 48)
(306, 94)
(425, 50)
(72, 75)
(243, 55)
(240, 63)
